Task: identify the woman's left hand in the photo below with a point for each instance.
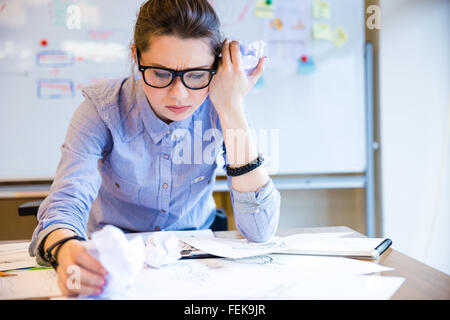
(230, 84)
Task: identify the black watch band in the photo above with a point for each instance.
(252, 165)
(52, 259)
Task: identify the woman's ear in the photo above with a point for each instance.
(133, 52)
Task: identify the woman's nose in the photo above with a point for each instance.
(177, 89)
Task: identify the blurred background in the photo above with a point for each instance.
(357, 93)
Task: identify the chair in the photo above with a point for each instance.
(220, 222)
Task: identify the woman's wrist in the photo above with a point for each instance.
(231, 109)
(55, 236)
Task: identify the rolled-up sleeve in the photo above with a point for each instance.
(256, 213)
(77, 178)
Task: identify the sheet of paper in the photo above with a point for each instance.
(287, 34)
(265, 277)
(15, 256)
(205, 233)
(339, 288)
(241, 248)
(30, 284)
(336, 245)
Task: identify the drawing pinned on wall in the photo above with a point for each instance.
(55, 88)
(264, 9)
(306, 65)
(299, 25)
(287, 34)
(54, 59)
(321, 10)
(276, 24)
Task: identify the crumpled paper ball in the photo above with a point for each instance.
(251, 53)
(161, 248)
(122, 258)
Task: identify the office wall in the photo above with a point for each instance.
(414, 102)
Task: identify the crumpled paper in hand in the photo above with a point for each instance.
(162, 248)
(251, 53)
(122, 258)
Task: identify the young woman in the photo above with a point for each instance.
(121, 160)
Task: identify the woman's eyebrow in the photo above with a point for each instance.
(161, 66)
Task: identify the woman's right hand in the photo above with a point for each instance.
(79, 273)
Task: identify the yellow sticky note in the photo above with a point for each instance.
(321, 10)
(264, 9)
(321, 31)
(339, 37)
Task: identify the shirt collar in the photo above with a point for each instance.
(154, 125)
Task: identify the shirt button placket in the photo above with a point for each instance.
(166, 179)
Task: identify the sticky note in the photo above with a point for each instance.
(321, 31)
(264, 9)
(306, 65)
(321, 10)
(339, 37)
(259, 83)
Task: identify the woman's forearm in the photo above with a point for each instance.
(241, 149)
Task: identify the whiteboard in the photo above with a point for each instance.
(317, 121)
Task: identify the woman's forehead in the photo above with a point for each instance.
(176, 53)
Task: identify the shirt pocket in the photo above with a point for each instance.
(202, 181)
(120, 188)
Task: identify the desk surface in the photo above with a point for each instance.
(421, 281)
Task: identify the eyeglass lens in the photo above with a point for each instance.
(192, 79)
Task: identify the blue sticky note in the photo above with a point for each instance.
(259, 83)
(306, 67)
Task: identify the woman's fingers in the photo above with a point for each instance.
(259, 70)
(235, 53)
(85, 260)
(257, 73)
(226, 58)
(76, 284)
(74, 279)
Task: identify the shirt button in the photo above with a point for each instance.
(166, 156)
(165, 185)
(157, 228)
(163, 210)
(169, 132)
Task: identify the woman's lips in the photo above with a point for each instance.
(178, 109)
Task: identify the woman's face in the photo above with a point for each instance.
(178, 54)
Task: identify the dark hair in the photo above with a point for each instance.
(185, 19)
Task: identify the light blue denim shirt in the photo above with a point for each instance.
(121, 165)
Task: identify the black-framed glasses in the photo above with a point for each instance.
(157, 77)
